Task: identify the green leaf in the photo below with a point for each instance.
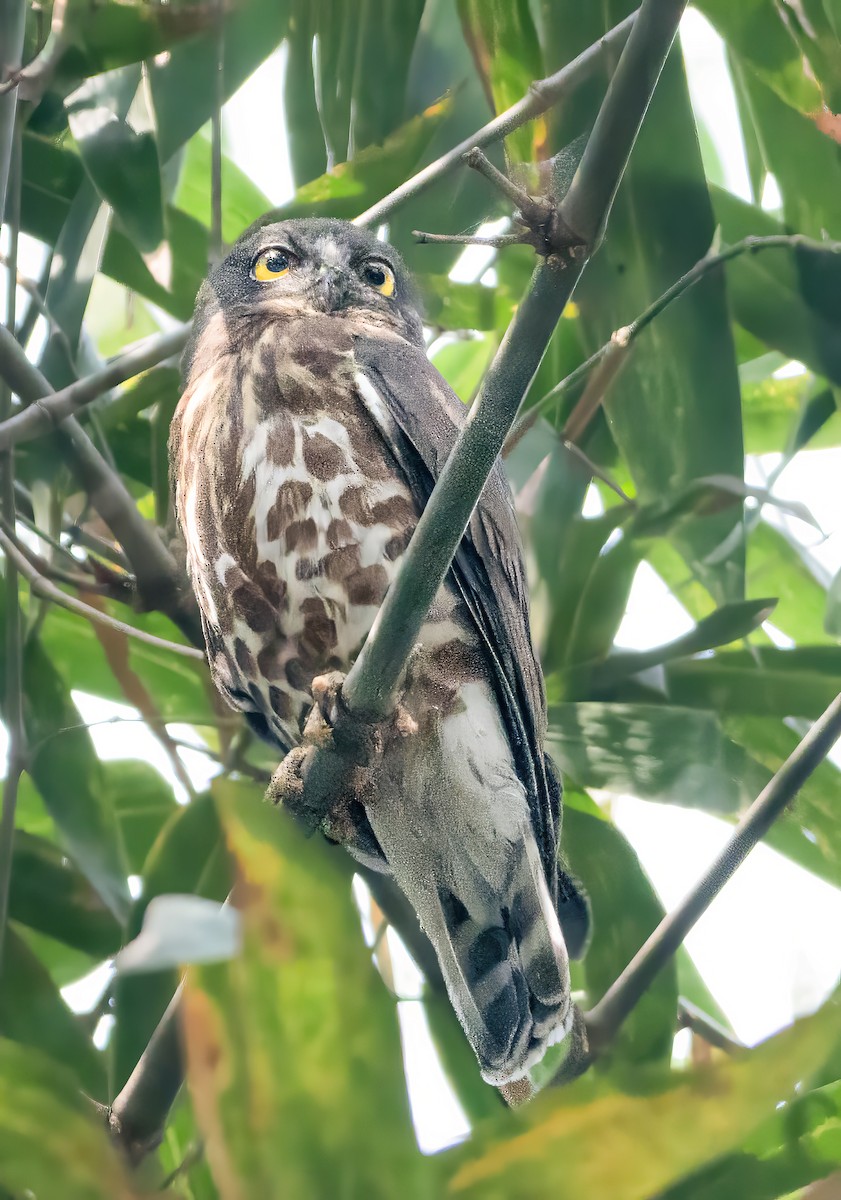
(306, 1097)
(51, 1144)
(759, 33)
(183, 86)
(179, 686)
(463, 364)
(810, 832)
(727, 624)
(777, 568)
(359, 75)
(143, 801)
(242, 201)
(558, 1149)
(832, 620)
(681, 756)
(803, 160)
(68, 775)
(188, 857)
(112, 33)
(764, 681)
(625, 911)
(798, 1145)
(33, 1013)
(570, 566)
(121, 160)
(654, 752)
(49, 894)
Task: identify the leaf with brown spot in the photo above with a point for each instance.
(613, 1147)
(51, 1145)
(293, 1049)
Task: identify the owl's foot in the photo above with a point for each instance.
(329, 780)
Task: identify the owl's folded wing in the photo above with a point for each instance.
(420, 417)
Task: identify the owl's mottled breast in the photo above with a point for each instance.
(293, 510)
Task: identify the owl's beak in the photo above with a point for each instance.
(332, 289)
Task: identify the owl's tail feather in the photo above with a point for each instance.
(506, 968)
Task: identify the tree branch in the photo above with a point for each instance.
(137, 1116)
(161, 584)
(691, 1017)
(13, 714)
(605, 1018)
(12, 27)
(49, 591)
(46, 412)
(540, 97)
(622, 340)
(371, 685)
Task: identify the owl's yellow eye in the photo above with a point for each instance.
(380, 276)
(271, 264)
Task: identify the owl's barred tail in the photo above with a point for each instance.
(506, 969)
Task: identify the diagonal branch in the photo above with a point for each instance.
(13, 714)
(618, 348)
(48, 590)
(161, 584)
(371, 685)
(46, 412)
(540, 97)
(621, 998)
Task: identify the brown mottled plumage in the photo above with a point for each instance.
(306, 443)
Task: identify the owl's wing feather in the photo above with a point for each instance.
(420, 417)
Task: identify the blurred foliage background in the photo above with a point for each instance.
(297, 1081)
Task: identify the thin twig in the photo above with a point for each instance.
(13, 715)
(622, 339)
(519, 197)
(161, 583)
(468, 239)
(371, 684)
(34, 292)
(216, 246)
(691, 1017)
(540, 97)
(47, 412)
(606, 1017)
(49, 570)
(49, 591)
(34, 77)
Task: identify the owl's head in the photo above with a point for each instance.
(317, 265)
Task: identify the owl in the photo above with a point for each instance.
(307, 440)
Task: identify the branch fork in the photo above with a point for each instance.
(542, 225)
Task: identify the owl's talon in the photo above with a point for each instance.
(329, 779)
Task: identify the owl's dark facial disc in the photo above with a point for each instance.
(316, 266)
